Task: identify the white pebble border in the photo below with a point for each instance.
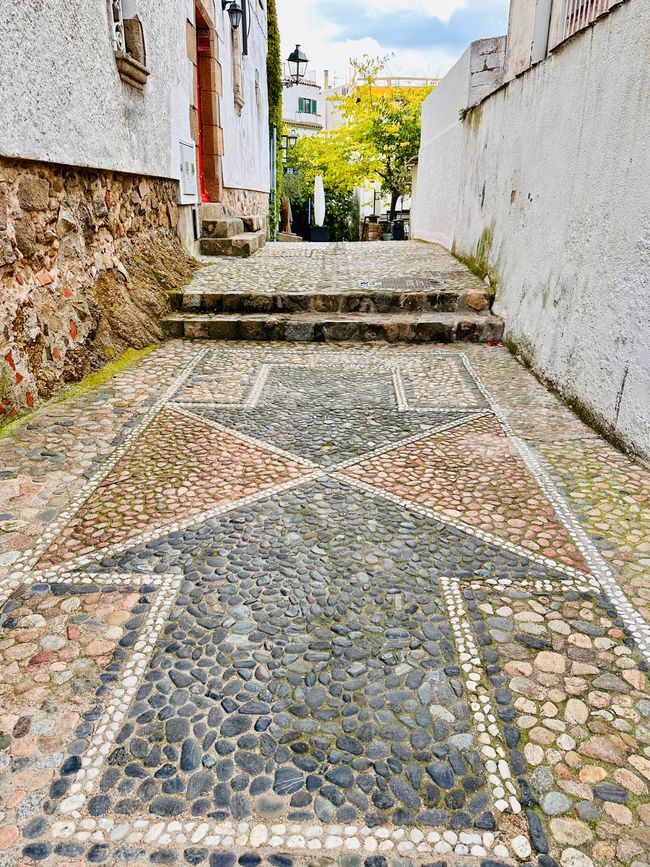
(400, 393)
(492, 746)
(539, 585)
(601, 571)
(305, 837)
(109, 724)
(257, 389)
(110, 579)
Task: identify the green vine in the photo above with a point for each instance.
(274, 85)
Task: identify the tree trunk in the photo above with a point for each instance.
(394, 196)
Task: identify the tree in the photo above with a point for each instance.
(341, 214)
(379, 136)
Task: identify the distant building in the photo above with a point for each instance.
(303, 106)
(382, 85)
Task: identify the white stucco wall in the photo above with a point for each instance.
(440, 172)
(555, 188)
(64, 102)
(245, 163)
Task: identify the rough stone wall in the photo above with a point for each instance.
(86, 258)
(245, 202)
(488, 57)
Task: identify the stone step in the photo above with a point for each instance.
(242, 245)
(224, 227)
(254, 222)
(353, 301)
(317, 327)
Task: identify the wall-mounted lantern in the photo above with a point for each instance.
(235, 12)
(288, 143)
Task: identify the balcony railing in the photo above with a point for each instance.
(580, 13)
(298, 117)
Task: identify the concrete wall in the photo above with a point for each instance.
(66, 101)
(440, 173)
(554, 199)
(245, 162)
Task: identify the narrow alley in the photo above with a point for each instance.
(322, 604)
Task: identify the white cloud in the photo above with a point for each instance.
(441, 9)
(304, 22)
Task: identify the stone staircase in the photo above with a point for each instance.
(226, 235)
(307, 293)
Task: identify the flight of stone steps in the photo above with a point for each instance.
(224, 235)
(384, 291)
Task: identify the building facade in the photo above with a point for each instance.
(542, 184)
(121, 121)
(303, 106)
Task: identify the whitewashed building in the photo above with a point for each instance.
(123, 123)
(303, 106)
(535, 168)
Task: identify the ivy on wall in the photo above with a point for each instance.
(274, 85)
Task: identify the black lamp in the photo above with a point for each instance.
(289, 142)
(297, 61)
(234, 11)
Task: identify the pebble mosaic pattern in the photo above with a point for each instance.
(175, 470)
(474, 474)
(322, 606)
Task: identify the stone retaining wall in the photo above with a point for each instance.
(245, 202)
(86, 258)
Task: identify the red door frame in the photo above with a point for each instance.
(202, 47)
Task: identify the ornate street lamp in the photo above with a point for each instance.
(234, 11)
(297, 61)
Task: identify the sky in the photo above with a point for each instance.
(426, 37)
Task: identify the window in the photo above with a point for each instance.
(307, 106)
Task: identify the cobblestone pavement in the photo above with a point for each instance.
(335, 267)
(367, 606)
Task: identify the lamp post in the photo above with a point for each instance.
(298, 62)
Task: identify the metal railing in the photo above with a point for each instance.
(580, 13)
